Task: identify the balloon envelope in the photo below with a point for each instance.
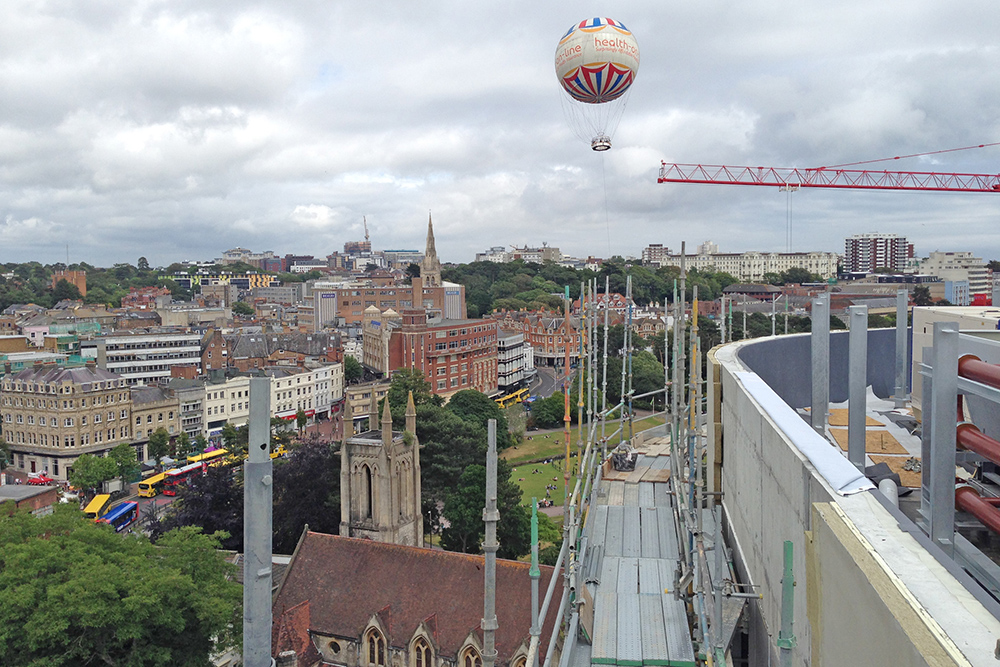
(597, 60)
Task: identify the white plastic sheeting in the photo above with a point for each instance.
(827, 459)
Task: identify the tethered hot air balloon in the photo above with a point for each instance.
(596, 62)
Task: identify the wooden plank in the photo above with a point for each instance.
(838, 417)
(877, 441)
(907, 478)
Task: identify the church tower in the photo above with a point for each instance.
(430, 268)
(380, 480)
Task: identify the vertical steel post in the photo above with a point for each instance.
(490, 517)
(257, 503)
(902, 301)
(820, 342)
(536, 631)
(773, 314)
(722, 320)
(604, 372)
(857, 381)
(786, 639)
(720, 565)
(944, 398)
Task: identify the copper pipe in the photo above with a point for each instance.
(967, 499)
(971, 438)
(971, 368)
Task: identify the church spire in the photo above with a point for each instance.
(386, 423)
(411, 414)
(430, 268)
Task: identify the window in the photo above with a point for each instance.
(421, 653)
(376, 649)
(470, 658)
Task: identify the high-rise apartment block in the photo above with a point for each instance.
(868, 252)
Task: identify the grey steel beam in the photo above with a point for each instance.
(820, 342)
(857, 381)
(257, 506)
(902, 301)
(944, 398)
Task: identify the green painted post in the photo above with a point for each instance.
(786, 639)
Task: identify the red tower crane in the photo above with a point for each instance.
(828, 177)
(835, 176)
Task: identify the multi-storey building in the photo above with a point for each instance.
(868, 252)
(52, 415)
(292, 389)
(751, 266)
(358, 398)
(497, 254)
(145, 298)
(243, 281)
(153, 408)
(511, 360)
(655, 253)
(144, 358)
(959, 266)
(76, 278)
(225, 401)
(452, 354)
(546, 334)
(214, 351)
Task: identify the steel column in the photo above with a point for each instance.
(257, 506)
(820, 342)
(857, 381)
(902, 302)
(944, 397)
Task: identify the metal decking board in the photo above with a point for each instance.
(628, 575)
(646, 494)
(631, 495)
(598, 523)
(660, 496)
(616, 493)
(668, 569)
(661, 463)
(605, 638)
(650, 533)
(678, 635)
(649, 576)
(668, 533)
(613, 534)
(629, 648)
(654, 636)
(631, 545)
(609, 573)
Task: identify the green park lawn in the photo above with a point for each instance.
(545, 445)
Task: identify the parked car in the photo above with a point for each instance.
(40, 479)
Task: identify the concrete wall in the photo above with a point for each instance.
(867, 591)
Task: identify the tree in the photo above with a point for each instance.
(300, 419)
(230, 437)
(102, 599)
(352, 370)
(184, 446)
(470, 404)
(142, 264)
(243, 309)
(464, 511)
(65, 290)
(306, 491)
(922, 296)
(550, 412)
(213, 501)
(125, 461)
(90, 472)
(159, 443)
(412, 270)
(5, 456)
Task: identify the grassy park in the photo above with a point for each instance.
(544, 445)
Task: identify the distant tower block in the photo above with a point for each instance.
(380, 481)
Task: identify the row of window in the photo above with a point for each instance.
(420, 653)
(52, 404)
(49, 440)
(54, 421)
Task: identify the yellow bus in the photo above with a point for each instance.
(512, 398)
(207, 457)
(97, 507)
(151, 486)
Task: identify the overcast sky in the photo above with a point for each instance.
(176, 129)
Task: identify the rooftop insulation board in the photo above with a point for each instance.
(649, 576)
(650, 529)
(654, 636)
(628, 575)
(629, 648)
(631, 544)
(605, 628)
(646, 495)
(613, 534)
(631, 495)
(678, 636)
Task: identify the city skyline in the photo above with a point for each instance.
(168, 130)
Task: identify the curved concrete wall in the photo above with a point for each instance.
(784, 364)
